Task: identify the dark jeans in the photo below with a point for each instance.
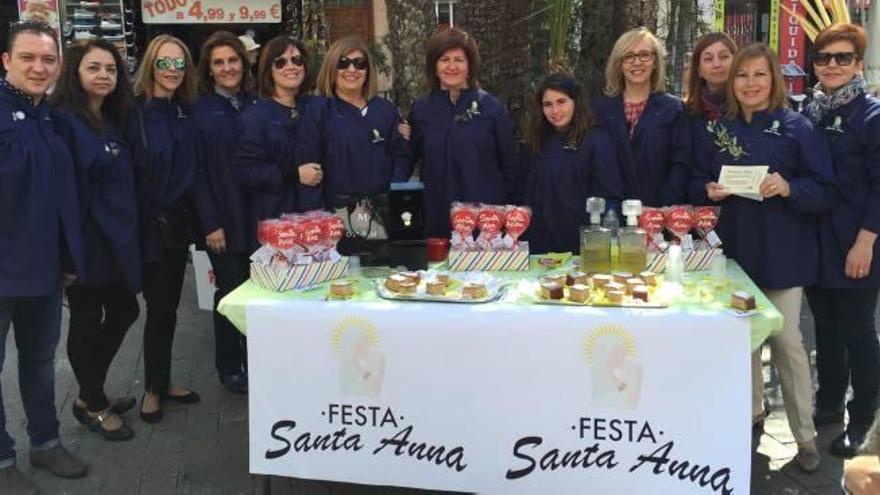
(36, 322)
(847, 351)
(163, 281)
(230, 271)
(99, 318)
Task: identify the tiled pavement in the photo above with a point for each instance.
(202, 449)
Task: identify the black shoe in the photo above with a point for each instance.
(188, 398)
(96, 424)
(822, 417)
(847, 443)
(119, 406)
(151, 417)
(237, 383)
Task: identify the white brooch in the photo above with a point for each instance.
(377, 137)
(836, 126)
(180, 114)
(17, 115)
(471, 113)
(111, 148)
(773, 129)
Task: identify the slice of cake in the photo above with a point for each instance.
(579, 293)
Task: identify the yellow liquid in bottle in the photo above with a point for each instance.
(632, 259)
(595, 259)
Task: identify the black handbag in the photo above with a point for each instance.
(366, 227)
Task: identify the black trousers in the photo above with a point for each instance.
(847, 351)
(163, 282)
(99, 318)
(230, 271)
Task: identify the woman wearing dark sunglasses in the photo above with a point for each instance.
(648, 125)
(268, 169)
(844, 301)
(352, 134)
(225, 83)
(163, 139)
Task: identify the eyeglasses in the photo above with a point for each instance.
(165, 63)
(642, 56)
(360, 63)
(281, 62)
(843, 58)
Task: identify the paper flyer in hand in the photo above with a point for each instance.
(743, 181)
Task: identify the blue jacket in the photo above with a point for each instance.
(39, 209)
(217, 192)
(774, 240)
(360, 154)
(560, 179)
(656, 161)
(105, 180)
(165, 169)
(465, 155)
(266, 147)
(853, 134)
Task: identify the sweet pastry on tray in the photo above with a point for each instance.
(579, 293)
(341, 288)
(393, 282)
(599, 280)
(407, 287)
(435, 288)
(615, 287)
(557, 279)
(649, 277)
(576, 278)
(442, 277)
(640, 292)
(742, 300)
(412, 276)
(615, 296)
(474, 290)
(552, 290)
(621, 277)
(633, 282)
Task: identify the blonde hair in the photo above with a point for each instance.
(777, 90)
(614, 80)
(144, 79)
(327, 76)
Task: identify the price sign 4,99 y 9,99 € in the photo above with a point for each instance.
(210, 11)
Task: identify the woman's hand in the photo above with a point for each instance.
(774, 185)
(404, 129)
(715, 191)
(858, 260)
(216, 241)
(310, 174)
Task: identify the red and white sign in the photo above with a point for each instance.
(210, 11)
(792, 41)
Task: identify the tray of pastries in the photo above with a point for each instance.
(618, 289)
(434, 286)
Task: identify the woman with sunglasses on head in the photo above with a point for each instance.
(224, 82)
(461, 134)
(92, 99)
(268, 169)
(774, 239)
(707, 94)
(844, 300)
(648, 125)
(570, 160)
(164, 144)
(352, 134)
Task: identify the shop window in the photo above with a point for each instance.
(445, 13)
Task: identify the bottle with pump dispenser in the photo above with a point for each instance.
(632, 240)
(595, 240)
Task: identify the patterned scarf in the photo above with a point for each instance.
(233, 100)
(6, 84)
(712, 104)
(823, 103)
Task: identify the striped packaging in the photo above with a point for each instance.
(465, 261)
(298, 276)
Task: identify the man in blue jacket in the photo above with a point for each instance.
(41, 246)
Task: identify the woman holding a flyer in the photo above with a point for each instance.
(770, 226)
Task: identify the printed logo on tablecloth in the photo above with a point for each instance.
(616, 374)
(361, 364)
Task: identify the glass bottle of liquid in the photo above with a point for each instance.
(595, 240)
(611, 222)
(633, 240)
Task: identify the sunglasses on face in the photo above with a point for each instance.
(842, 58)
(642, 56)
(360, 63)
(281, 62)
(165, 63)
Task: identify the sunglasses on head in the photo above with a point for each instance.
(165, 63)
(281, 62)
(360, 63)
(842, 58)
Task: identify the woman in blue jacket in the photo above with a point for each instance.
(844, 300)
(164, 144)
(647, 125)
(461, 134)
(93, 97)
(569, 161)
(225, 87)
(774, 239)
(268, 168)
(352, 134)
